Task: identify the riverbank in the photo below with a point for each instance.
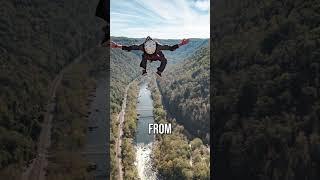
(69, 125)
(175, 157)
(123, 127)
(96, 148)
(143, 140)
(129, 129)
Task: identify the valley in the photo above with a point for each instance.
(191, 156)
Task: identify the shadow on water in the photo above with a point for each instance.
(96, 147)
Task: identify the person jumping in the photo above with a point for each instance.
(152, 50)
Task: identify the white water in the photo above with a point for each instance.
(143, 162)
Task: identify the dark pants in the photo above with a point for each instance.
(145, 58)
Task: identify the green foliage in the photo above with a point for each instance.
(12, 145)
(124, 68)
(266, 85)
(130, 124)
(70, 120)
(38, 38)
(128, 159)
(113, 168)
(185, 92)
(196, 143)
(172, 155)
(174, 57)
(184, 52)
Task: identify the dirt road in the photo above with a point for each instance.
(37, 169)
(120, 132)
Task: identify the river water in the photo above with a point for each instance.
(143, 140)
(96, 147)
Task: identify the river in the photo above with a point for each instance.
(143, 140)
(96, 147)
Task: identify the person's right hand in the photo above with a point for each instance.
(184, 42)
(114, 45)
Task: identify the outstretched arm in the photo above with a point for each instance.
(127, 48)
(133, 47)
(174, 47)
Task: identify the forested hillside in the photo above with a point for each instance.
(128, 151)
(185, 93)
(183, 52)
(124, 67)
(188, 159)
(173, 57)
(70, 123)
(176, 156)
(266, 82)
(38, 38)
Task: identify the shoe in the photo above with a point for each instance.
(159, 73)
(144, 72)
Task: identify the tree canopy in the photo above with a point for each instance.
(266, 89)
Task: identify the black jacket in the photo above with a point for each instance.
(159, 47)
(102, 10)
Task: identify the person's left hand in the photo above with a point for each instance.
(184, 42)
(114, 45)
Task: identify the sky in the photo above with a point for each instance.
(163, 19)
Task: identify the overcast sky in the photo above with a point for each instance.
(165, 19)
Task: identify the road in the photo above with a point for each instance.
(120, 133)
(37, 169)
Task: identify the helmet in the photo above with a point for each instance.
(150, 46)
